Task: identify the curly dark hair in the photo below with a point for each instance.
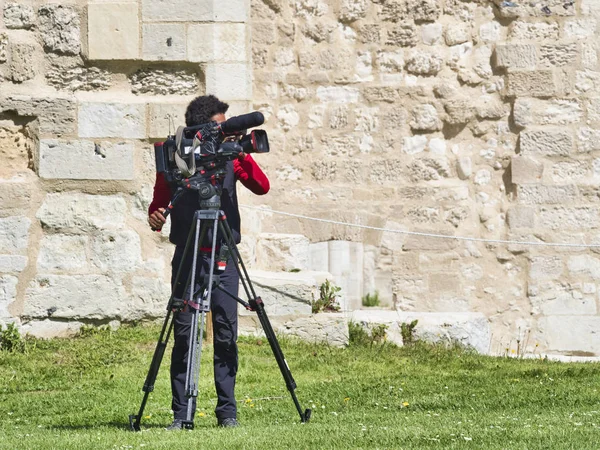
(202, 108)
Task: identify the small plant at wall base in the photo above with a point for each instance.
(371, 299)
(408, 332)
(359, 336)
(10, 339)
(327, 301)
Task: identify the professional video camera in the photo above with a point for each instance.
(209, 146)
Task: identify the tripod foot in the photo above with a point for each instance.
(134, 424)
(306, 416)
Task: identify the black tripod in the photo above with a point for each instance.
(198, 295)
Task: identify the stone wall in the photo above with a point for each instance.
(471, 118)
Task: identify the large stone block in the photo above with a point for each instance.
(328, 328)
(430, 243)
(113, 31)
(116, 251)
(46, 329)
(22, 61)
(82, 213)
(525, 170)
(337, 94)
(522, 30)
(60, 28)
(531, 111)
(568, 218)
(531, 83)
(76, 297)
(545, 268)
(120, 120)
(229, 81)
(163, 117)
(14, 234)
(18, 16)
(15, 197)
(547, 142)
(538, 194)
(346, 261)
(12, 263)
(516, 56)
(56, 114)
(164, 42)
(468, 329)
(60, 252)
(150, 298)
(520, 217)
(570, 334)
(195, 11)
(286, 293)
(86, 160)
(217, 42)
(283, 251)
(8, 294)
(584, 265)
(561, 298)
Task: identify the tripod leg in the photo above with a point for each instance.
(257, 305)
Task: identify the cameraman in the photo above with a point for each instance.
(224, 308)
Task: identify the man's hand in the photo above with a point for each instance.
(156, 219)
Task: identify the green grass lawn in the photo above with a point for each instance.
(78, 393)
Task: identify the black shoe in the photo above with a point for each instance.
(229, 422)
(176, 425)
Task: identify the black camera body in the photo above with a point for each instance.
(206, 148)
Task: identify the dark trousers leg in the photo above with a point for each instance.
(224, 313)
(225, 320)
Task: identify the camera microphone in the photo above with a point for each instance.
(243, 122)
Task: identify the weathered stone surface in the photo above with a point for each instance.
(113, 31)
(352, 10)
(520, 217)
(403, 34)
(45, 329)
(21, 61)
(76, 297)
(150, 298)
(467, 329)
(530, 194)
(229, 81)
(464, 167)
(60, 28)
(531, 83)
(561, 298)
(525, 170)
(162, 116)
(424, 63)
(570, 333)
(523, 30)
(119, 120)
(55, 114)
(3, 46)
(79, 78)
(516, 56)
(18, 16)
(545, 268)
(588, 139)
(86, 160)
(164, 82)
(337, 94)
(458, 33)
(568, 217)
(113, 251)
(14, 234)
(220, 42)
(558, 55)
(82, 213)
(163, 42)
(428, 243)
(547, 142)
(60, 252)
(285, 293)
(8, 294)
(531, 111)
(427, 169)
(15, 197)
(12, 263)
(584, 265)
(325, 327)
(425, 118)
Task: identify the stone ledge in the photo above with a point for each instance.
(468, 329)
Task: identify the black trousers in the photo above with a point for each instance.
(224, 320)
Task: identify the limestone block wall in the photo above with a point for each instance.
(460, 118)
(85, 88)
(471, 118)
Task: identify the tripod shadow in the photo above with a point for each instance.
(284, 293)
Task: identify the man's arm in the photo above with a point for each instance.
(251, 175)
(160, 200)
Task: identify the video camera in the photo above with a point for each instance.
(207, 147)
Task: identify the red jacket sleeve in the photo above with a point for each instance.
(162, 194)
(251, 175)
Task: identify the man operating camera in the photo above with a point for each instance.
(224, 308)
